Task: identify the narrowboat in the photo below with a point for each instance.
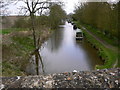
(79, 34)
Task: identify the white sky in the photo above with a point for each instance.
(69, 5)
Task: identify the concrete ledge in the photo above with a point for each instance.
(105, 78)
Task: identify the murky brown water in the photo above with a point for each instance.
(62, 53)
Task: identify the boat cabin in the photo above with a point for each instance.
(79, 34)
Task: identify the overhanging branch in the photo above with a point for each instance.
(40, 8)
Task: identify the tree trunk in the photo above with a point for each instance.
(35, 44)
(33, 28)
(37, 62)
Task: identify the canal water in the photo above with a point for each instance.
(62, 53)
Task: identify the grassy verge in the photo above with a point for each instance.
(108, 38)
(109, 56)
(7, 31)
(15, 56)
(25, 43)
(9, 69)
(17, 48)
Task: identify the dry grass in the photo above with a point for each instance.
(16, 50)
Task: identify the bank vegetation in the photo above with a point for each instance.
(101, 19)
(18, 41)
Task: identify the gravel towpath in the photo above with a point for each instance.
(105, 44)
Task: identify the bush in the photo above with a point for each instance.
(21, 23)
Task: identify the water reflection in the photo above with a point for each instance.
(36, 65)
(62, 53)
(55, 40)
(69, 54)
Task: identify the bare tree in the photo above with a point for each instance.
(33, 7)
(4, 4)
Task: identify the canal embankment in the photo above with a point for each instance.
(17, 47)
(105, 78)
(106, 51)
(63, 53)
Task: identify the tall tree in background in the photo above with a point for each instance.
(57, 14)
(34, 9)
(34, 6)
(101, 15)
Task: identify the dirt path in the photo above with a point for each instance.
(105, 44)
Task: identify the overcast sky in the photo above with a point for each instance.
(69, 5)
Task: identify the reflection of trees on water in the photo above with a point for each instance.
(55, 41)
(36, 66)
(53, 45)
(37, 59)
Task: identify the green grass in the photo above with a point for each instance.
(21, 47)
(108, 55)
(24, 43)
(9, 69)
(16, 55)
(110, 40)
(7, 31)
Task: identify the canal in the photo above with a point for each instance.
(62, 53)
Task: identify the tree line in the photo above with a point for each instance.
(100, 15)
(41, 23)
(53, 20)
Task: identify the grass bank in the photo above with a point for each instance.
(108, 55)
(99, 33)
(15, 55)
(107, 37)
(17, 47)
(9, 30)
